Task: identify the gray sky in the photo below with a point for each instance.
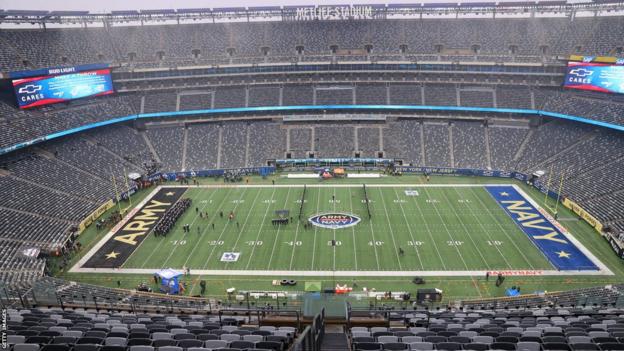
(108, 5)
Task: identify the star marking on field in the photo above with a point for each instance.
(563, 254)
(171, 193)
(113, 254)
(504, 194)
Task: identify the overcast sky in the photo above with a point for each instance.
(108, 5)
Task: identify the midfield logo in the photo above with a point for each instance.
(334, 220)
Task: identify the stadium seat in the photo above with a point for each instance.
(395, 346)
(358, 346)
(476, 346)
(190, 343)
(26, 347)
(421, 346)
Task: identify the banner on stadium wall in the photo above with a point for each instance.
(95, 215)
(616, 246)
(583, 214)
(262, 171)
(459, 171)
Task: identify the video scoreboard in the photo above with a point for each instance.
(60, 84)
(595, 76)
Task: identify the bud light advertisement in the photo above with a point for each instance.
(600, 77)
(45, 90)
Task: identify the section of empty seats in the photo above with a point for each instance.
(168, 142)
(334, 140)
(267, 140)
(55, 329)
(369, 142)
(37, 199)
(334, 94)
(513, 97)
(234, 144)
(406, 94)
(476, 97)
(487, 329)
(441, 95)
(195, 100)
(230, 97)
(402, 139)
(264, 96)
(202, 146)
(504, 143)
(437, 145)
(469, 150)
(124, 141)
(160, 102)
(371, 94)
(297, 95)
(300, 141)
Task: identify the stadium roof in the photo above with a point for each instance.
(38, 12)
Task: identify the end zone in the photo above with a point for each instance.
(121, 241)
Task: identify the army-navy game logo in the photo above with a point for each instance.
(334, 220)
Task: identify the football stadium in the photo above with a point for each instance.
(312, 176)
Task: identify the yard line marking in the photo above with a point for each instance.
(278, 232)
(157, 246)
(240, 232)
(253, 248)
(353, 230)
(447, 230)
(222, 232)
(507, 234)
(203, 234)
(396, 249)
(318, 202)
(461, 222)
(185, 235)
(486, 232)
(424, 221)
(370, 223)
(409, 229)
(292, 254)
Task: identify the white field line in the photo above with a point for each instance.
(183, 236)
(396, 249)
(253, 248)
(463, 225)
(426, 224)
(294, 242)
(318, 202)
(507, 234)
(409, 229)
(278, 232)
(601, 266)
(329, 273)
(446, 229)
(370, 223)
(486, 232)
(114, 230)
(353, 231)
(225, 227)
(205, 232)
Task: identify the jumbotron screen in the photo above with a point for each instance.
(601, 77)
(44, 90)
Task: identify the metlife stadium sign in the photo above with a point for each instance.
(323, 13)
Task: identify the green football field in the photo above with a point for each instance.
(449, 227)
(436, 228)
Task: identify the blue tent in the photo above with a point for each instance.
(169, 281)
